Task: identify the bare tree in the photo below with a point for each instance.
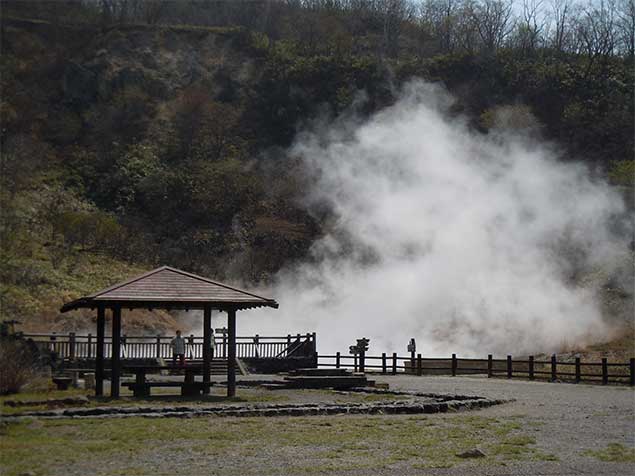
(560, 16)
(530, 26)
(595, 30)
(626, 27)
(494, 22)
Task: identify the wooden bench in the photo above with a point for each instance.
(142, 389)
(62, 382)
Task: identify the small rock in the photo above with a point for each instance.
(473, 453)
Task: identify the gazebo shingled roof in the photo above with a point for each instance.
(168, 287)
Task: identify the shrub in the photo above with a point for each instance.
(17, 364)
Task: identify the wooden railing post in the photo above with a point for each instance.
(337, 359)
(383, 363)
(605, 371)
(454, 365)
(71, 345)
(490, 365)
(577, 370)
(355, 363)
(509, 366)
(632, 369)
(394, 363)
(554, 368)
(314, 340)
(89, 351)
(419, 365)
(531, 367)
(158, 346)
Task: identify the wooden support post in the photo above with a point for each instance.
(207, 348)
(337, 360)
(383, 363)
(531, 367)
(454, 365)
(632, 369)
(605, 371)
(116, 349)
(394, 363)
(158, 347)
(577, 370)
(99, 351)
(490, 365)
(314, 340)
(89, 344)
(509, 366)
(554, 368)
(71, 345)
(355, 363)
(231, 353)
(419, 365)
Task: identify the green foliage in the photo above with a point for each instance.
(622, 172)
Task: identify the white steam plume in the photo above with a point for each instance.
(459, 239)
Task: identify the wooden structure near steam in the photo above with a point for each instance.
(167, 288)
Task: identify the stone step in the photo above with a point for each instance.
(319, 372)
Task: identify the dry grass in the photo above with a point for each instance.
(325, 445)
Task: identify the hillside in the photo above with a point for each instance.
(127, 145)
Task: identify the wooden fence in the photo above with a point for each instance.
(74, 346)
(603, 372)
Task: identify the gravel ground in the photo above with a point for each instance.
(565, 420)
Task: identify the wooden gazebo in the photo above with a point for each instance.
(167, 288)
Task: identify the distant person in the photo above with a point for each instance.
(178, 349)
(212, 343)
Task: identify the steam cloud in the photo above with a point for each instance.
(466, 241)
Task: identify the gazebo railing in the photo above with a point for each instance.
(73, 346)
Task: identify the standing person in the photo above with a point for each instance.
(178, 348)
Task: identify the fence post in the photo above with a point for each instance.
(509, 366)
(394, 363)
(314, 335)
(89, 352)
(354, 362)
(158, 346)
(490, 366)
(419, 365)
(632, 367)
(337, 359)
(605, 371)
(531, 367)
(71, 345)
(383, 363)
(554, 369)
(577, 370)
(454, 365)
